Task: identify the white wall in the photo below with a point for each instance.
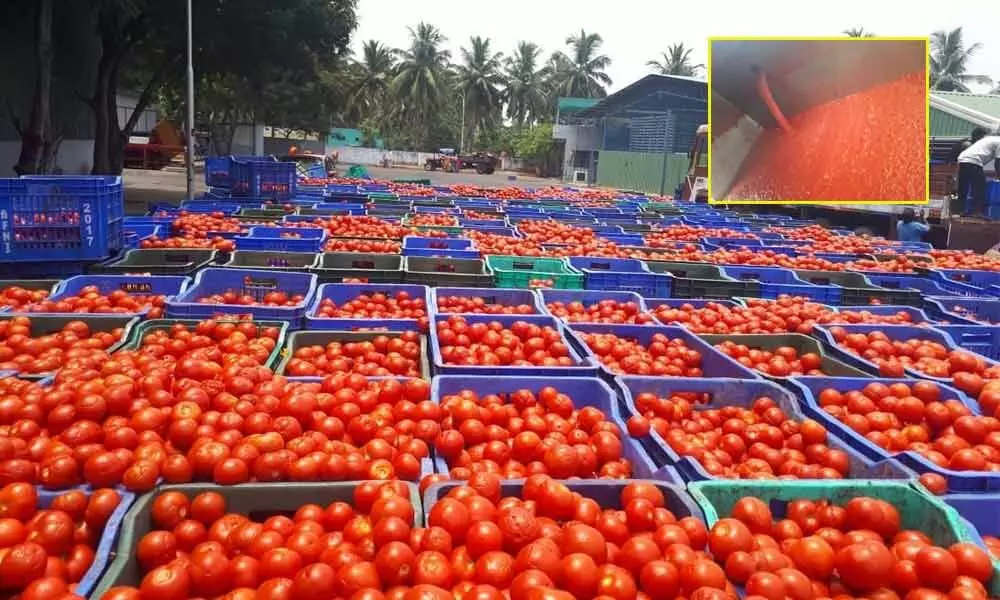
(75, 157)
(248, 139)
(373, 156)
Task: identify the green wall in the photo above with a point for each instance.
(640, 171)
(946, 125)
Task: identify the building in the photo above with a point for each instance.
(955, 114)
(637, 138)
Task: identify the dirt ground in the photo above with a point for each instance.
(143, 188)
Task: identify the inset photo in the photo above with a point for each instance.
(831, 120)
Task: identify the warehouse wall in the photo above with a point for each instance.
(640, 171)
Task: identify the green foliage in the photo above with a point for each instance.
(676, 61)
(534, 143)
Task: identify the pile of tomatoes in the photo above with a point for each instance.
(554, 232)
(206, 341)
(22, 351)
(363, 246)
(481, 305)
(967, 370)
(395, 354)
(171, 243)
(432, 220)
(784, 361)
(888, 264)
(603, 311)
(964, 259)
(90, 300)
(662, 356)
(196, 548)
(917, 416)
(45, 551)
(15, 297)
(360, 226)
(494, 344)
(823, 550)
(242, 298)
(521, 433)
(503, 245)
(482, 216)
(759, 442)
(375, 305)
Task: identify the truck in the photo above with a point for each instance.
(449, 160)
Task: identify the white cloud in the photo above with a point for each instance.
(635, 31)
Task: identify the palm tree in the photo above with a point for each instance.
(949, 58)
(857, 32)
(676, 61)
(372, 77)
(479, 80)
(420, 84)
(580, 74)
(525, 90)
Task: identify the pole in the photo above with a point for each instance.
(461, 143)
(189, 153)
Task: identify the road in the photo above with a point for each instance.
(143, 188)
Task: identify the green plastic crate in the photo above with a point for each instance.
(519, 271)
(300, 339)
(447, 229)
(254, 499)
(139, 331)
(916, 510)
(334, 267)
(412, 181)
(263, 214)
(380, 197)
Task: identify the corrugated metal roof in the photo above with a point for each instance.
(575, 104)
(988, 104)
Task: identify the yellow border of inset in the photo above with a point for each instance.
(927, 118)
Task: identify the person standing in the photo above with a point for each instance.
(972, 175)
(910, 227)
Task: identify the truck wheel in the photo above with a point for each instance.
(428, 166)
(480, 170)
(489, 170)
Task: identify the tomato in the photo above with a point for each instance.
(156, 548)
(315, 582)
(169, 582)
(865, 566)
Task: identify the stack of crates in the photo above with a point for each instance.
(257, 177)
(60, 224)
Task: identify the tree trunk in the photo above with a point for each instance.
(105, 107)
(33, 139)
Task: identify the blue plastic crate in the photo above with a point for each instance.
(621, 274)
(248, 282)
(108, 540)
(217, 171)
(967, 282)
(808, 389)
(925, 285)
(965, 311)
(981, 516)
(271, 180)
(894, 333)
(61, 218)
(713, 362)
(582, 367)
(165, 285)
(585, 391)
(340, 293)
(737, 392)
(500, 296)
(628, 239)
(775, 281)
(713, 243)
(981, 339)
(602, 230)
(283, 239)
(430, 243)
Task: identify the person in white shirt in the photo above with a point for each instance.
(971, 174)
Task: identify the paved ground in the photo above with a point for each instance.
(169, 185)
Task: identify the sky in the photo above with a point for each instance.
(636, 31)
